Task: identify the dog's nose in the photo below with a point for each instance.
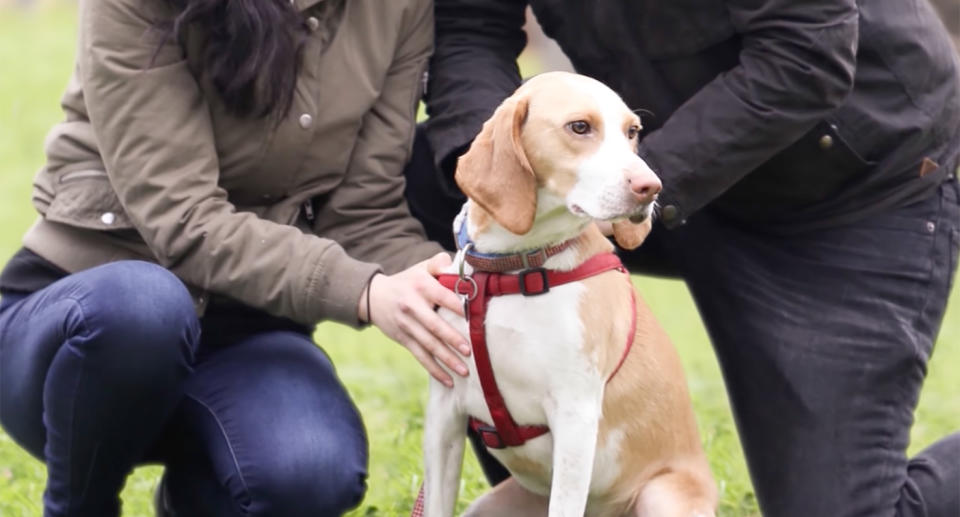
(644, 184)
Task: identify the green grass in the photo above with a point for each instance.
(36, 50)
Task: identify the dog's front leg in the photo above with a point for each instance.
(444, 434)
(574, 423)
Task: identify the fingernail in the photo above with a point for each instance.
(462, 370)
(448, 383)
(465, 348)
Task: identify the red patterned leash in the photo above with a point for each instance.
(418, 506)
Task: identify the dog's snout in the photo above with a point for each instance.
(644, 184)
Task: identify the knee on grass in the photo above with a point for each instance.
(139, 314)
(330, 481)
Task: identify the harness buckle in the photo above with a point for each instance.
(522, 277)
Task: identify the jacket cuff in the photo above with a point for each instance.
(335, 286)
(672, 213)
(448, 142)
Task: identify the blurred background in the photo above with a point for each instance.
(36, 56)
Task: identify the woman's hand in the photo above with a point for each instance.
(403, 307)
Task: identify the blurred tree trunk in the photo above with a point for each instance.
(542, 50)
(950, 14)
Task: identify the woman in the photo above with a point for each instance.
(239, 160)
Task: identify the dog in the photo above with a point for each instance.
(585, 376)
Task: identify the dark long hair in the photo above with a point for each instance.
(253, 50)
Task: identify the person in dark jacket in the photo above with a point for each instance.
(808, 153)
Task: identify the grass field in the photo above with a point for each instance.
(36, 50)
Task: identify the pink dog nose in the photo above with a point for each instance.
(644, 184)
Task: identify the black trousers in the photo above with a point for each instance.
(823, 339)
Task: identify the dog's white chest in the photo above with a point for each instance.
(538, 355)
(533, 342)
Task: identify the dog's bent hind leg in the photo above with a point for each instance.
(677, 493)
(508, 499)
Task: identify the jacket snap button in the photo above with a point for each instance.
(669, 213)
(826, 142)
(108, 218)
(313, 23)
(306, 121)
(931, 227)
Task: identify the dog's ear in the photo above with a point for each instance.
(495, 172)
(630, 235)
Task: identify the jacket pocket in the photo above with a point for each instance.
(813, 169)
(85, 198)
(899, 245)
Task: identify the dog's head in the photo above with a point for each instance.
(567, 138)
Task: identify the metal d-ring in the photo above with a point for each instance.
(461, 257)
(473, 284)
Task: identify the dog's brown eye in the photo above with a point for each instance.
(580, 127)
(632, 132)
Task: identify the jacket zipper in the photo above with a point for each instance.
(308, 210)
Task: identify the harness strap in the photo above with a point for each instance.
(531, 282)
(630, 335)
(504, 424)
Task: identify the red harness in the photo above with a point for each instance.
(478, 288)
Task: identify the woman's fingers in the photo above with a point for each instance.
(427, 360)
(438, 263)
(439, 329)
(430, 342)
(404, 307)
(436, 293)
(439, 295)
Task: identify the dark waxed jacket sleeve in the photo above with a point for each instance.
(796, 65)
(474, 67)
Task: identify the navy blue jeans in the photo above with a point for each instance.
(110, 368)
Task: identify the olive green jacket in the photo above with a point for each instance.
(150, 165)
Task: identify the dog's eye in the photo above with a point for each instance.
(632, 132)
(580, 127)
